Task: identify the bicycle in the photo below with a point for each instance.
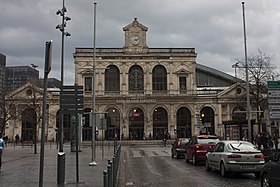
(167, 144)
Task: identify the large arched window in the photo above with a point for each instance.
(159, 79)
(208, 120)
(113, 124)
(184, 123)
(160, 122)
(28, 124)
(112, 79)
(136, 79)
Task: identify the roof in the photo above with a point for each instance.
(217, 73)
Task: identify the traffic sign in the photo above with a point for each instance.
(273, 95)
(273, 84)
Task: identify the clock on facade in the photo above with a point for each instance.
(135, 39)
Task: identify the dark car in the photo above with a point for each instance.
(178, 148)
(270, 174)
(198, 147)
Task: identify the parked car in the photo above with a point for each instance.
(270, 174)
(235, 156)
(178, 148)
(198, 147)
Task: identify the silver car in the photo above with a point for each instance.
(235, 156)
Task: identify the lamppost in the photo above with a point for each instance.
(61, 154)
(248, 109)
(93, 162)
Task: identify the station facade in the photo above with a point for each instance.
(143, 91)
(146, 91)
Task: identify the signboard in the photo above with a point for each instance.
(273, 99)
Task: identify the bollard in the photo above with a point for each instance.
(60, 168)
(110, 182)
(105, 178)
(114, 170)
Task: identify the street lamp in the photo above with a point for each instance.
(93, 162)
(61, 154)
(247, 77)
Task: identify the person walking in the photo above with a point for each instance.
(2, 145)
(17, 139)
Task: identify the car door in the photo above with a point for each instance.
(210, 155)
(274, 172)
(190, 148)
(217, 155)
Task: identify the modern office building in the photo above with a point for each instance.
(2, 90)
(17, 76)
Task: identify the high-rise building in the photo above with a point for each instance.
(17, 76)
(2, 83)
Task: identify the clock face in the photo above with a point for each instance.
(135, 39)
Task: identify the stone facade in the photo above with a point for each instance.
(143, 92)
(180, 98)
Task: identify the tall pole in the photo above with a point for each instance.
(48, 57)
(60, 130)
(247, 78)
(93, 156)
(61, 154)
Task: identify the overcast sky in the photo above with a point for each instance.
(213, 27)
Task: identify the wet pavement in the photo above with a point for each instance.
(21, 166)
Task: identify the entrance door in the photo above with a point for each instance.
(28, 124)
(136, 124)
(184, 123)
(160, 123)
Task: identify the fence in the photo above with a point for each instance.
(110, 175)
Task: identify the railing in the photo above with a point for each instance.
(110, 175)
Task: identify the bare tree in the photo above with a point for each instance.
(260, 70)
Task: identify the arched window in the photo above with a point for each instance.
(136, 79)
(160, 122)
(159, 79)
(112, 79)
(184, 123)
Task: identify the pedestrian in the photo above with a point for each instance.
(258, 140)
(2, 145)
(6, 139)
(17, 138)
(275, 138)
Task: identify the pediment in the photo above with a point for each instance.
(27, 91)
(135, 24)
(235, 90)
(182, 72)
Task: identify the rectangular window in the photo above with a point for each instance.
(88, 84)
(183, 84)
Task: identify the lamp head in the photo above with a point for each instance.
(67, 34)
(58, 12)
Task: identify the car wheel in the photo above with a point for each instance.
(176, 154)
(193, 160)
(223, 171)
(186, 157)
(265, 182)
(207, 165)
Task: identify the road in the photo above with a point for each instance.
(150, 165)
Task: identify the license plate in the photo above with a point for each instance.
(248, 167)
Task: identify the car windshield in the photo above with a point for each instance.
(183, 141)
(241, 146)
(207, 140)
